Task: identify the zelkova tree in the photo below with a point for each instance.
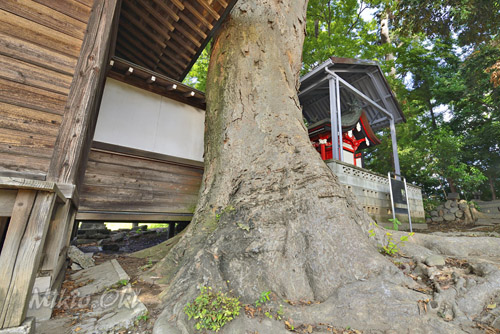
(271, 215)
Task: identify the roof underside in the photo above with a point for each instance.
(365, 76)
(167, 36)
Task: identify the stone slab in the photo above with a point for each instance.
(99, 278)
(42, 284)
(113, 307)
(55, 326)
(42, 304)
(114, 310)
(27, 327)
(79, 257)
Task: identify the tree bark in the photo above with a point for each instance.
(451, 183)
(385, 37)
(492, 187)
(271, 215)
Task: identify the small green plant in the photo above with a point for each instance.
(144, 317)
(280, 313)
(147, 265)
(395, 223)
(392, 247)
(122, 282)
(264, 298)
(212, 310)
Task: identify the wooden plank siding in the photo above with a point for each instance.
(40, 43)
(117, 183)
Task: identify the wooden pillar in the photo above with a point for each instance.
(32, 214)
(77, 128)
(171, 230)
(20, 256)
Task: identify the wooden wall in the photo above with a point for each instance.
(40, 42)
(119, 184)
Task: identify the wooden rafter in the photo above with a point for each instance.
(168, 36)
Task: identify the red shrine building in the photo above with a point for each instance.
(345, 102)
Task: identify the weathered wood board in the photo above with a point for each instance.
(40, 43)
(116, 184)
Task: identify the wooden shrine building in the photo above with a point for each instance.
(59, 59)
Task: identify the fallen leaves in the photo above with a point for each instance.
(422, 306)
(452, 262)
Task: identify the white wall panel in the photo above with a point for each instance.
(139, 119)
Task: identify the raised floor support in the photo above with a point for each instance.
(21, 253)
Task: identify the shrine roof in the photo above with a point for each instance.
(364, 76)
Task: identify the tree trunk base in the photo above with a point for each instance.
(446, 299)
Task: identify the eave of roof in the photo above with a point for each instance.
(168, 36)
(358, 72)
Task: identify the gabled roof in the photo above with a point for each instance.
(365, 76)
(167, 36)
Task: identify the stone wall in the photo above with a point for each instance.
(372, 191)
(453, 211)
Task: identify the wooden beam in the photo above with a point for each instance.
(133, 216)
(209, 9)
(223, 3)
(7, 200)
(138, 53)
(177, 48)
(154, 12)
(157, 89)
(182, 43)
(136, 23)
(212, 31)
(126, 28)
(78, 124)
(178, 4)
(192, 25)
(198, 15)
(151, 22)
(188, 35)
(175, 59)
(129, 55)
(169, 69)
(22, 253)
(170, 12)
(54, 243)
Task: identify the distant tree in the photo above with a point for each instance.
(473, 21)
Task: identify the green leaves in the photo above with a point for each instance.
(264, 298)
(212, 309)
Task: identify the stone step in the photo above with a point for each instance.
(488, 215)
(406, 226)
(487, 222)
(488, 204)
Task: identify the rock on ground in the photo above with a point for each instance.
(77, 256)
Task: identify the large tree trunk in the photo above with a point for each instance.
(271, 215)
(385, 37)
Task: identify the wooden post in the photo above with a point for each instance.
(171, 230)
(55, 241)
(21, 253)
(77, 128)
